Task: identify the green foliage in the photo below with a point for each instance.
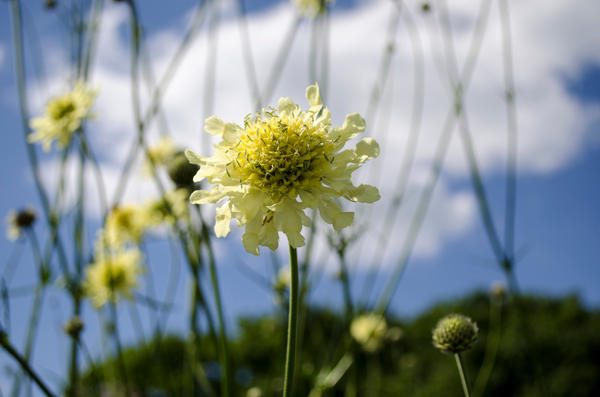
(548, 347)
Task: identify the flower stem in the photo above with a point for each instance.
(461, 372)
(290, 354)
(24, 365)
(223, 345)
(120, 358)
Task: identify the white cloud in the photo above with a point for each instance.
(550, 41)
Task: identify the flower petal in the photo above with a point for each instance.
(353, 125)
(313, 96)
(214, 126)
(364, 194)
(250, 241)
(285, 106)
(367, 149)
(332, 213)
(223, 219)
(207, 196)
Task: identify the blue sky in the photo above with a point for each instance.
(557, 71)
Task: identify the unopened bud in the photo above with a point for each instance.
(50, 4)
(181, 171)
(455, 333)
(73, 327)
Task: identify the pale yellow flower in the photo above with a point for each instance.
(177, 201)
(63, 116)
(159, 154)
(281, 162)
(112, 275)
(254, 392)
(283, 279)
(126, 224)
(311, 7)
(369, 330)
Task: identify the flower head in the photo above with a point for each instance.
(114, 273)
(172, 207)
(281, 162)
(125, 224)
(63, 116)
(498, 291)
(159, 154)
(16, 222)
(455, 333)
(369, 330)
(311, 7)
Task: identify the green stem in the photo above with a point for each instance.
(345, 280)
(224, 350)
(436, 167)
(19, 58)
(491, 349)
(24, 365)
(73, 361)
(120, 358)
(407, 158)
(461, 372)
(511, 115)
(247, 55)
(290, 353)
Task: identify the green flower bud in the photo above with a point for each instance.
(181, 171)
(25, 218)
(455, 333)
(16, 222)
(50, 4)
(73, 327)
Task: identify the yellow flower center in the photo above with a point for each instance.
(61, 107)
(280, 155)
(114, 277)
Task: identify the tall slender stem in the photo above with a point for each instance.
(223, 350)
(24, 365)
(461, 372)
(120, 358)
(491, 348)
(290, 352)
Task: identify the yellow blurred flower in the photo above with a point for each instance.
(369, 330)
(177, 201)
(311, 7)
(159, 154)
(63, 116)
(126, 224)
(281, 162)
(112, 275)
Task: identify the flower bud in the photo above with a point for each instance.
(181, 171)
(19, 221)
(50, 4)
(73, 327)
(455, 333)
(25, 218)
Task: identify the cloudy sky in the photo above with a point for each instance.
(557, 74)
